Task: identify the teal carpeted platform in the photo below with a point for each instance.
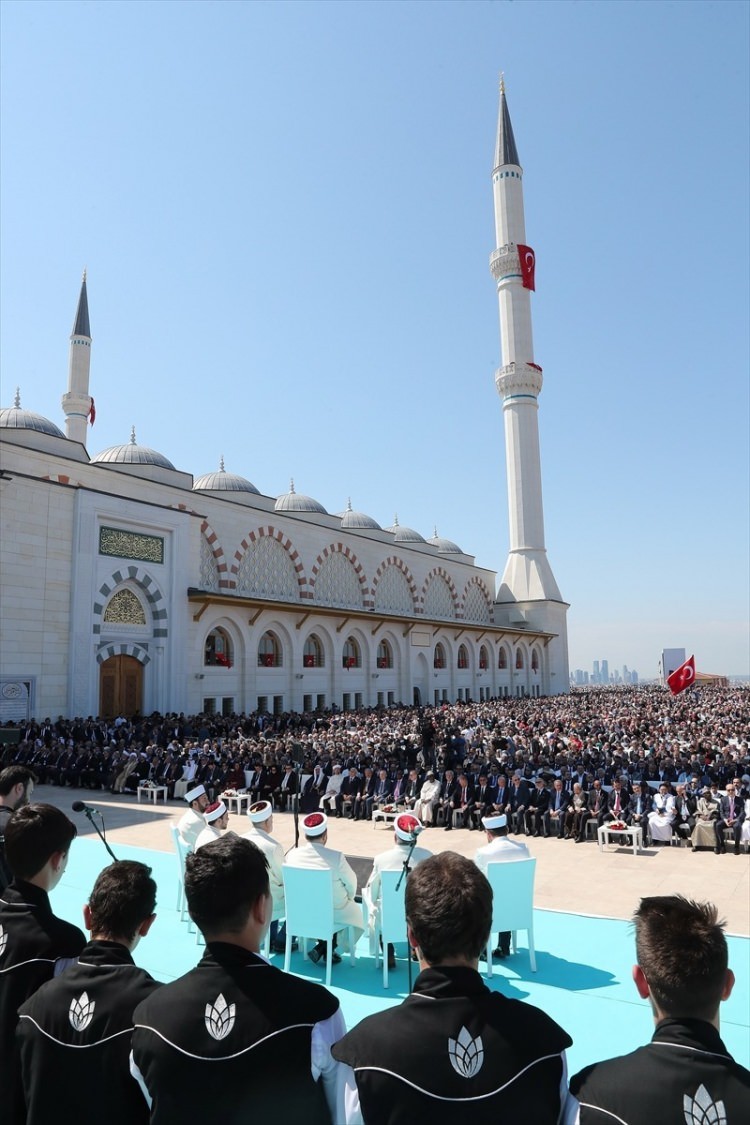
(583, 966)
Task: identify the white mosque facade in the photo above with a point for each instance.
(128, 585)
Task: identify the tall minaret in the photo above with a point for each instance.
(527, 581)
(77, 402)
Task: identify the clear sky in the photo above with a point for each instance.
(285, 211)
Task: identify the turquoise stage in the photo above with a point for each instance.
(583, 965)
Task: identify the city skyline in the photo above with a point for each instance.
(286, 215)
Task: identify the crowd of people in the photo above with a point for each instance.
(82, 1026)
(674, 766)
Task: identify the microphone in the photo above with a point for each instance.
(414, 832)
(78, 806)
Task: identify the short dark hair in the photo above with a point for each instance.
(682, 951)
(123, 897)
(449, 907)
(15, 775)
(223, 880)
(33, 834)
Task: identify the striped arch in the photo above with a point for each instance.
(148, 588)
(341, 548)
(394, 560)
(218, 553)
(286, 543)
(443, 573)
(477, 581)
(107, 651)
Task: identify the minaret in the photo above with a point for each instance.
(527, 582)
(528, 575)
(77, 402)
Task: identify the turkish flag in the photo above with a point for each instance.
(92, 412)
(527, 258)
(682, 677)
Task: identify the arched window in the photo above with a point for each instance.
(269, 651)
(463, 657)
(439, 657)
(502, 658)
(217, 650)
(352, 657)
(519, 658)
(535, 660)
(484, 659)
(385, 655)
(312, 654)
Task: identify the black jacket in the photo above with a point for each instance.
(456, 1052)
(685, 1066)
(74, 1037)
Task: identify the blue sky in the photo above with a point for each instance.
(285, 211)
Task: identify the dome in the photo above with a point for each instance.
(350, 518)
(405, 534)
(292, 501)
(224, 482)
(446, 546)
(15, 418)
(132, 454)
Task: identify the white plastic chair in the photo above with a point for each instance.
(512, 885)
(308, 895)
(181, 851)
(391, 925)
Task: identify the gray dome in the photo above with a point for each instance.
(445, 546)
(292, 501)
(132, 454)
(15, 418)
(405, 534)
(350, 518)
(224, 482)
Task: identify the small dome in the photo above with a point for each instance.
(224, 482)
(446, 546)
(15, 418)
(350, 518)
(405, 534)
(292, 501)
(132, 454)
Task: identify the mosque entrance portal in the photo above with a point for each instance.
(120, 686)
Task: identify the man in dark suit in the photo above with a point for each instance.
(536, 808)
(350, 789)
(638, 808)
(617, 802)
(484, 800)
(685, 808)
(366, 794)
(553, 817)
(461, 804)
(518, 800)
(448, 787)
(731, 815)
(596, 809)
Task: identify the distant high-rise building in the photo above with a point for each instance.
(596, 677)
(605, 671)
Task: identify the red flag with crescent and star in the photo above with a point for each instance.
(682, 677)
(527, 258)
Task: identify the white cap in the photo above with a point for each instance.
(260, 811)
(407, 826)
(315, 824)
(195, 793)
(491, 823)
(215, 812)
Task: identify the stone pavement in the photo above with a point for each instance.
(575, 878)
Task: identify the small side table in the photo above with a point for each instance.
(153, 793)
(633, 835)
(236, 799)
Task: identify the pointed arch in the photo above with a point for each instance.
(439, 572)
(476, 603)
(386, 599)
(341, 551)
(211, 549)
(272, 533)
(139, 577)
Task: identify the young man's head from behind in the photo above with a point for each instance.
(224, 881)
(121, 905)
(449, 909)
(37, 840)
(682, 954)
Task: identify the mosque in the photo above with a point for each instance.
(129, 585)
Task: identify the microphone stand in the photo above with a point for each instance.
(101, 832)
(405, 869)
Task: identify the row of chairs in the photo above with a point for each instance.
(308, 896)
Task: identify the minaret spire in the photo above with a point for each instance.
(528, 582)
(77, 402)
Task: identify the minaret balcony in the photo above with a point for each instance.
(504, 261)
(518, 379)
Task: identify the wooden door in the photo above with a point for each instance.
(120, 686)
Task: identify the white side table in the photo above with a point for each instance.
(632, 834)
(236, 799)
(152, 792)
